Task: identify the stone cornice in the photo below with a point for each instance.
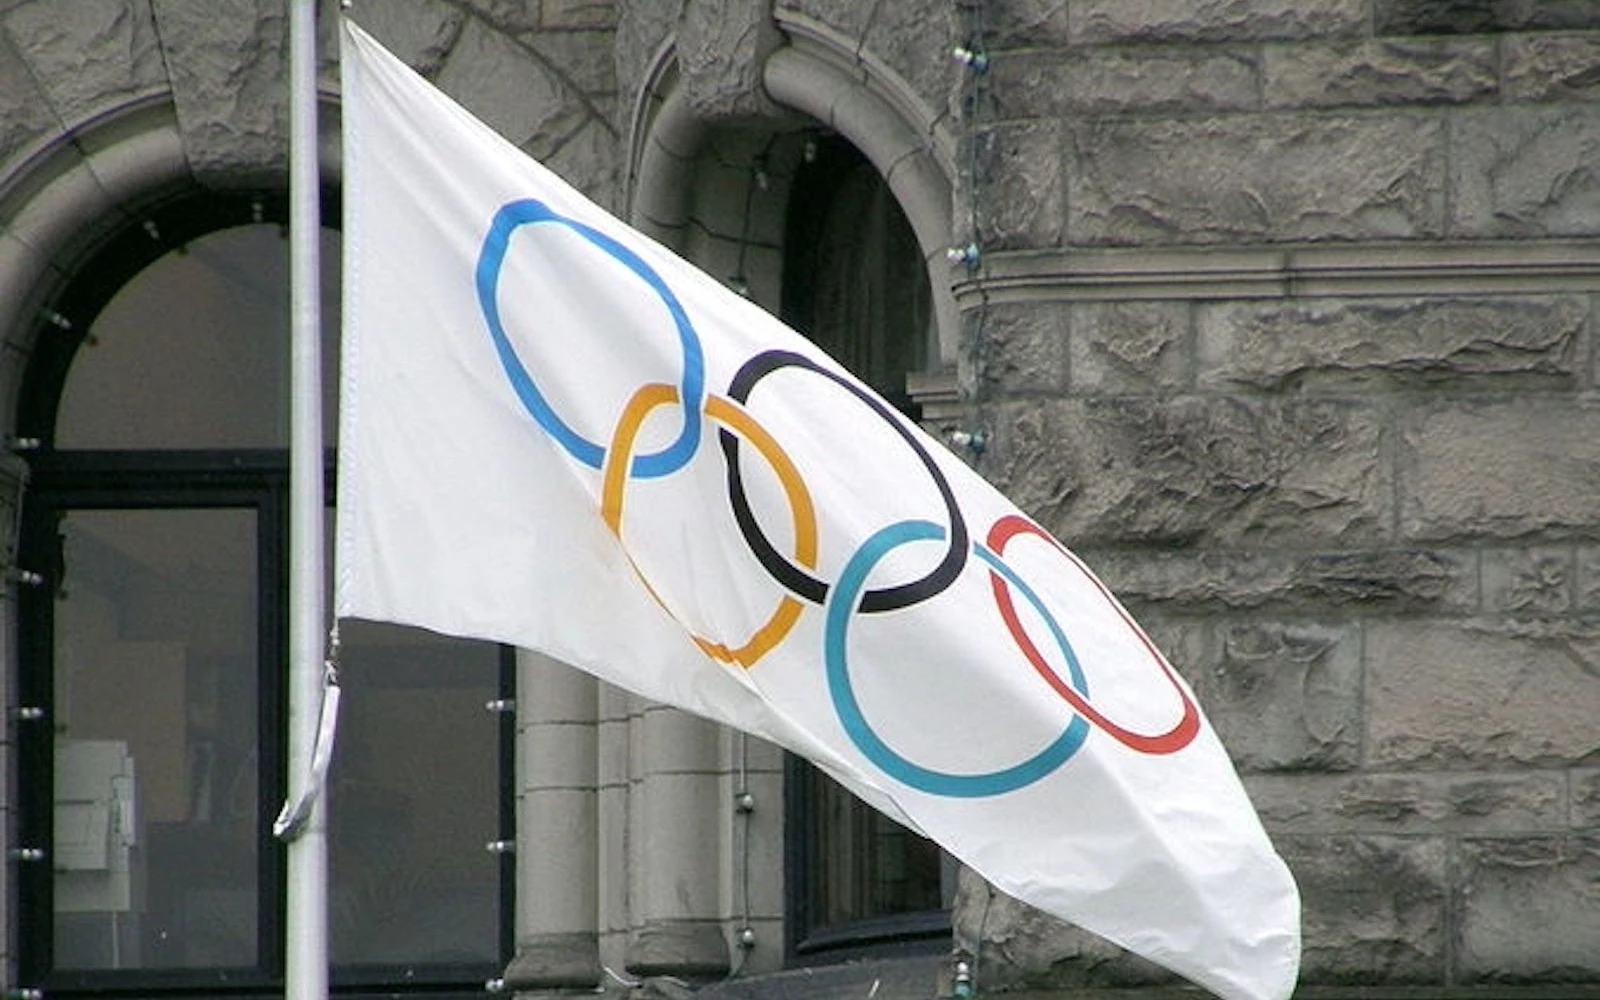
(1396, 269)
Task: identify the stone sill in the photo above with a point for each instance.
(1432, 268)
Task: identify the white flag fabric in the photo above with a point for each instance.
(557, 434)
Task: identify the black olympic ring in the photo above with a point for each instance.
(796, 579)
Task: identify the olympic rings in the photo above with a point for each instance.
(795, 572)
(491, 261)
(1176, 738)
(785, 572)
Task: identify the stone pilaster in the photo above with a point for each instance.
(557, 927)
(675, 833)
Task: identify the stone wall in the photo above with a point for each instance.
(1287, 325)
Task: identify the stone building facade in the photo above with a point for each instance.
(1281, 314)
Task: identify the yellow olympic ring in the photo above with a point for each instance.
(614, 475)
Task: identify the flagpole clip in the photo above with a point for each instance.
(298, 809)
(969, 255)
(974, 441)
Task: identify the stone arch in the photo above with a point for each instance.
(822, 81)
(73, 191)
(66, 197)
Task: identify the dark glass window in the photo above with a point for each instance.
(156, 515)
(855, 284)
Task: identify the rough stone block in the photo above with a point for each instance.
(1019, 947)
(1535, 581)
(1115, 81)
(1373, 908)
(1526, 172)
(1462, 694)
(721, 50)
(590, 161)
(1394, 580)
(1129, 346)
(1273, 345)
(1270, 177)
(226, 60)
(90, 54)
(1182, 643)
(848, 17)
(1027, 24)
(419, 32)
(1287, 698)
(1551, 67)
(510, 16)
(1588, 579)
(1584, 783)
(562, 15)
(583, 58)
(24, 112)
(1018, 187)
(1528, 910)
(914, 40)
(1499, 469)
(514, 92)
(1325, 75)
(1022, 347)
(1100, 22)
(1444, 17)
(1221, 471)
(1419, 803)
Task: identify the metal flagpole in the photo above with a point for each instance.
(306, 932)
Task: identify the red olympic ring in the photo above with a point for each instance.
(1171, 741)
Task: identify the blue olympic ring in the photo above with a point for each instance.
(841, 603)
(691, 391)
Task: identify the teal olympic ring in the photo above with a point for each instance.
(841, 603)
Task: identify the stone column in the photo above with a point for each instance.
(674, 846)
(557, 848)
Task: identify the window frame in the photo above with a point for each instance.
(820, 179)
(73, 483)
(809, 941)
(242, 479)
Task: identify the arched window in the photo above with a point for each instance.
(153, 654)
(854, 282)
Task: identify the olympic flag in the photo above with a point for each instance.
(557, 434)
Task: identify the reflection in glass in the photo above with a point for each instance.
(194, 351)
(413, 798)
(156, 762)
(864, 864)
